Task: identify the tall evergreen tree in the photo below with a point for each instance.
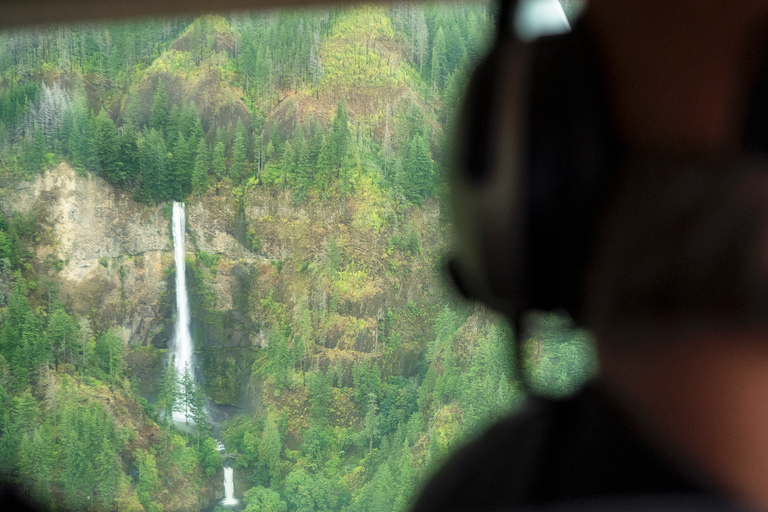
(153, 161)
(108, 473)
(183, 165)
(239, 169)
(159, 114)
(439, 61)
(339, 137)
(107, 148)
(169, 392)
(269, 449)
(202, 166)
(109, 353)
(219, 157)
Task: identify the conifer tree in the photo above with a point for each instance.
(107, 148)
(219, 157)
(108, 472)
(339, 137)
(439, 62)
(38, 345)
(153, 161)
(186, 399)
(371, 422)
(169, 392)
(159, 115)
(238, 170)
(10, 443)
(418, 169)
(287, 165)
(190, 124)
(269, 449)
(109, 353)
(202, 165)
(128, 155)
(301, 164)
(366, 379)
(36, 461)
(183, 164)
(320, 394)
(197, 411)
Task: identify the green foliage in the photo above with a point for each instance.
(559, 357)
(159, 114)
(200, 181)
(270, 446)
(260, 499)
(366, 378)
(320, 394)
(209, 456)
(406, 375)
(109, 354)
(169, 392)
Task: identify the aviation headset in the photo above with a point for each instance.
(536, 165)
(530, 173)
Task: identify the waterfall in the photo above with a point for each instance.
(182, 343)
(229, 487)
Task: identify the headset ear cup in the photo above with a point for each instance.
(488, 180)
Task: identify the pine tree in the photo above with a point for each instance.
(202, 165)
(153, 162)
(418, 169)
(169, 392)
(107, 148)
(15, 316)
(439, 62)
(78, 474)
(109, 353)
(128, 155)
(108, 472)
(36, 463)
(219, 157)
(82, 141)
(10, 443)
(366, 379)
(159, 116)
(197, 411)
(148, 479)
(38, 347)
(301, 164)
(239, 171)
(186, 399)
(339, 137)
(190, 124)
(371, 422)
(269, 449)
(320, 394)
(287, 165)
(183, 165)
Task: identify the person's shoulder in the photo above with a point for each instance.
(556, 451)
(496, 469)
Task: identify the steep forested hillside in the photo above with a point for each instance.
(330, 359)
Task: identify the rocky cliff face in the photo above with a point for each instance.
(110, 255)
(106, 251)
(334, 270)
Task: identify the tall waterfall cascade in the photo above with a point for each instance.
(182, 342)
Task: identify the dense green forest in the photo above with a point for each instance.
(317, 140)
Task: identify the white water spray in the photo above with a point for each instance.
(182, 343)
(229, 487)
